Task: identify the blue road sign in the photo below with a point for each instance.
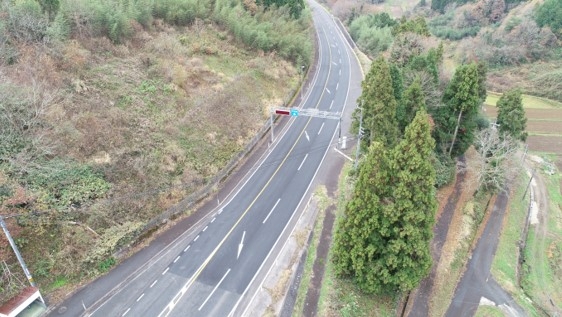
(294, 112)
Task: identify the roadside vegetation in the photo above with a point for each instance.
(111, 112)
(542, 262)
(340, 297)
(507, 37)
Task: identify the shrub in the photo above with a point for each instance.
(373, 32)
(25, 21)
(454, 34)
(445, 168)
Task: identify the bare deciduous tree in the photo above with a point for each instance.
(496, 162)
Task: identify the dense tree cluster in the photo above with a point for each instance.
(375, 33)
(382, 243)
(49, 21)
(549, 13)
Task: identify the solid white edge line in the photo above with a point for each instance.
(238, 187)
(167, 310)
(346, 44)
(214, 290)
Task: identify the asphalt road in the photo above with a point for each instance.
(477, 281)
(207, 270)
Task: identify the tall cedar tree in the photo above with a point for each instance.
(511, 115)
(408, 259)
(357, 241)
(456, 121)
(379, 106)
(413, 100)
(397, 81)
(382, 244)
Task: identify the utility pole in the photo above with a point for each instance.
(359, 135)
(16, 251)
(271, 123)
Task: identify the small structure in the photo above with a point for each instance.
(20, 302)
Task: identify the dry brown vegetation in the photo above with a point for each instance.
(152, 118)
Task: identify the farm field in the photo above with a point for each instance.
(544, 124)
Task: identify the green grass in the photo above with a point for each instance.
(59, 282)
(542, 280)
(488, 311)
(311, 255)
(538, 280)
(504, 266)
(529, 102)
(546, 134)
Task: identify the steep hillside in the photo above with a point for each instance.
(113, 111)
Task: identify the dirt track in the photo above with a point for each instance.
(420, 298)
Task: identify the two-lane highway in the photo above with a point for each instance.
(208, 270)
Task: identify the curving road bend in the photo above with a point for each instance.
(208, 269)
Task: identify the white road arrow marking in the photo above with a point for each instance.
(306, 135)
(241, 245)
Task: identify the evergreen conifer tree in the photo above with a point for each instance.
(382, 243)
(412, 100)
(456, 122)
(379, 105)
(511, 115)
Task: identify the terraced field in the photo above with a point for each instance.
(544, 124)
